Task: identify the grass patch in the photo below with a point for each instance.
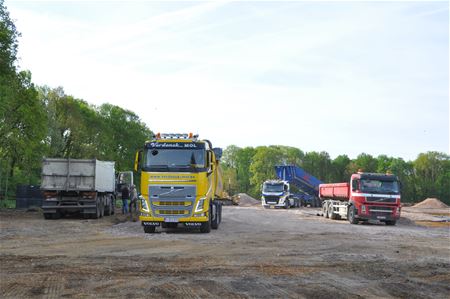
(7, 204)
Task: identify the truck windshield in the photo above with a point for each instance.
(379, 186)
(273, 188)
(175, 160)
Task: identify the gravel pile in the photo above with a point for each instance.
(246, 200)
(431, 203)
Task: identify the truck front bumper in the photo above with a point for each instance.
(157, 221)
(379, 213)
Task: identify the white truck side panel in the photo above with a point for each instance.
(77, 175)
(104, 176)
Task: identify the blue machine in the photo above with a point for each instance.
(305, 182)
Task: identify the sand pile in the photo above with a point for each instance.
(246, 200)
(431, 203)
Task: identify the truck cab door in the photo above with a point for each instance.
(124, 178)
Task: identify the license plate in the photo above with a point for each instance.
(272, 207)
(381, 217)
(171, 219)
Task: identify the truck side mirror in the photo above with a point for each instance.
(137, 160)
(218, 153)
(354, 185)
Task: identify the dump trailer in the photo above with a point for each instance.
(307, 184)
(76, 185)
(368, 196)
(181, 183)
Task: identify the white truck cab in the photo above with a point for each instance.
(276, 194)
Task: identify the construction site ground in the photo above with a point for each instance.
(255, 253)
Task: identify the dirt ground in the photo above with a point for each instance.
(255, 253)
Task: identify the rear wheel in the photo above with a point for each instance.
(325, 210)
(47, 216)
(109, 208)
(351, 213)
(331, 213)
(149, 229)
(216, 221)
(96, 215)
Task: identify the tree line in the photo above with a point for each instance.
(245, 169)
(38, 121)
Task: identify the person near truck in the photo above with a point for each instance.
(133, 202)
(125, 197)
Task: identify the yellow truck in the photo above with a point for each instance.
(181, 183)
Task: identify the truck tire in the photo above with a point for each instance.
(102, 209)
(47, 216)
(286, 204)
(205, 228)
(216, 221)
(390, 222)
(331, 213)
(149, 229)
(325, 210)
(351, 215)
(96, 215)
(109, 207)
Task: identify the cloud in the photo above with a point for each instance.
(314, 76)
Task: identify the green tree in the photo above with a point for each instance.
(318, 164)
(432, 170)
(339, 167)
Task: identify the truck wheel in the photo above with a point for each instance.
(108, 208)
(331, 213)
(390, 222)
(47, 216)
(215, 221)
(149, 229)
(325, 210)
(286, 204)
(96, 215)
(351, 215)
(56, 215)
(206, 226)
(102, 209)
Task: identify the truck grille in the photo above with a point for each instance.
(380, 211)
(381, 199)
(170, 212)
(172, 200)
(272, 199)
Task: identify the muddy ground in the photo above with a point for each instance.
(255, 253)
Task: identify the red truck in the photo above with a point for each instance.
(368, 196)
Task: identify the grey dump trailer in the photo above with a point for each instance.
(76, 185)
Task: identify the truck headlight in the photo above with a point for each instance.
(200, 203)
(144, 205)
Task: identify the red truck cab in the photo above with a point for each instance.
(368, 196)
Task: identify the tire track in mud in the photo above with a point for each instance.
(53, 286)
(14, 290)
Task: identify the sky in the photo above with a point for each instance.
(341, 77)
